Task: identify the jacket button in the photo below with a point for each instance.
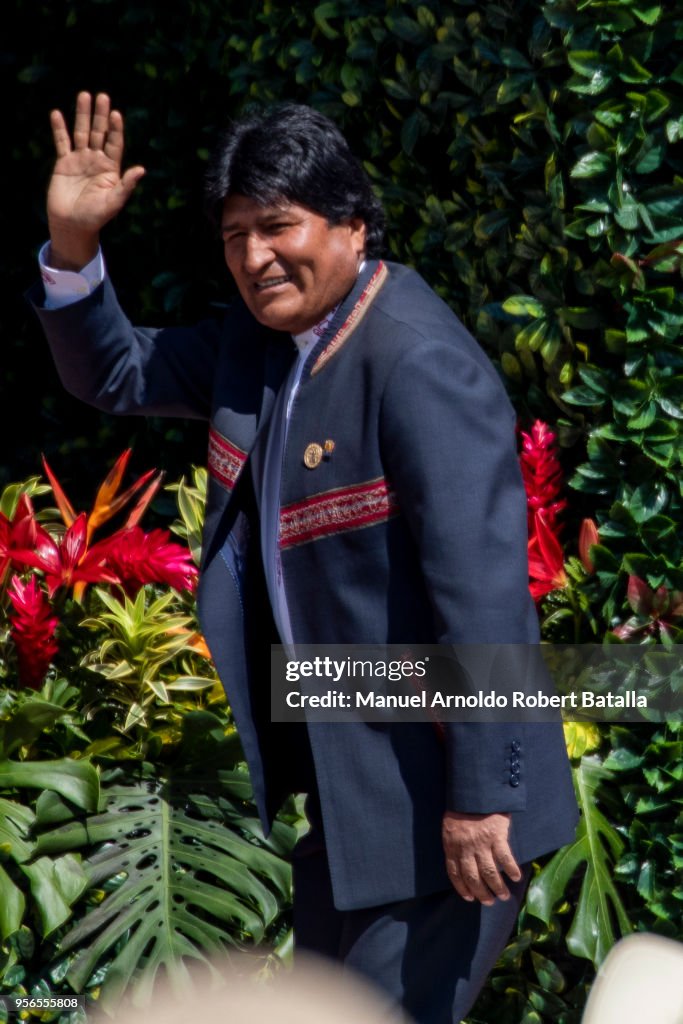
(514, 780)
(514, 761)
(515, 746)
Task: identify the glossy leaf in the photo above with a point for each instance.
(55, 884)
(12, 905)
(193, 883)
(76, 780)
(600, 916)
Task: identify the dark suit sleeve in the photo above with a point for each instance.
(448, 444)
(105, 361)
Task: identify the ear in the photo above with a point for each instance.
(358, 234)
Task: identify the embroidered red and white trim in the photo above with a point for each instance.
(225, 460)
(353, 319)
(336, 511)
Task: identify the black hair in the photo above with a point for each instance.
(295, 153)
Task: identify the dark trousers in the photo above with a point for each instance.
(431, 954)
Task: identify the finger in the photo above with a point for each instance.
(471, 882)
(505, 860)
(113, 147)
(60, 134)
(480, 890)
(82, 120)
(457, 881)
(452, 859)
(100, 121)
(462, 890)
(491, 877)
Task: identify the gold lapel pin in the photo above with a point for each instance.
(313, 455)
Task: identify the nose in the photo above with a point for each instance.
(258, 253)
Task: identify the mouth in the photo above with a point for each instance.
(272, 282)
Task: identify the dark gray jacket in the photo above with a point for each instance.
(413, 530)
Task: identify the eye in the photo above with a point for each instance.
(278, 226)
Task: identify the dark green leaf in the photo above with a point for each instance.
(408, 30)
(592, 165)
(76, 780)
(321, 15)
(649, 13)
(410, 132)
(513, 87)
(596, 848)
(55, 885)
(196, 877)
(647, 501)
(12, 905)
(512, 58)
(523, 305)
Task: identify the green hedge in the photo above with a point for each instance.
(529, 156)
(517, 146)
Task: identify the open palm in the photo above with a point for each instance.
(87, 188)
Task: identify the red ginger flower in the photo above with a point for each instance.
(546, 560)
(16, 534)
(138, 558)
(542, 473)
(70, 563)
(32, 627)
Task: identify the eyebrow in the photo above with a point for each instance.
(267, 218)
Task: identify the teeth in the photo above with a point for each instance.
(272, 281)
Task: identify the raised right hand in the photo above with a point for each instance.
(87, 188)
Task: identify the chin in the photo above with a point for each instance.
(289, 323)
(279, 324)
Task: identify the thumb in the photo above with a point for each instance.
(130, 179)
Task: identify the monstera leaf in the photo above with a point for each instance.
(599, 912)
(187, 869)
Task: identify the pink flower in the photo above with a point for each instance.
(137, 558)
(32, 628)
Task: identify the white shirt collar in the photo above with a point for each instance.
(307, 339)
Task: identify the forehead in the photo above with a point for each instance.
(243, 210)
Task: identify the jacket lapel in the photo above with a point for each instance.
(253, 378)
(348, 316)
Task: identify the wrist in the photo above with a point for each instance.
(72, 250)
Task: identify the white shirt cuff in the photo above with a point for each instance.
(64, 287)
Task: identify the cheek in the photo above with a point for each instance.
(340, 263)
